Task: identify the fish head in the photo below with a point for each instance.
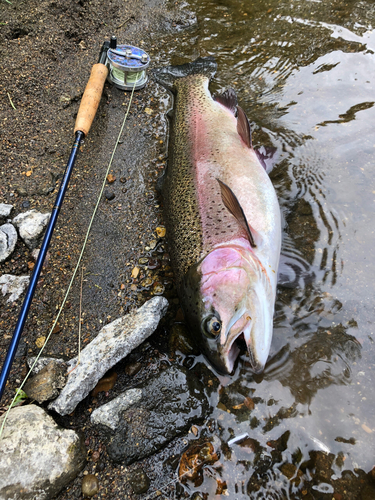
(230, 301)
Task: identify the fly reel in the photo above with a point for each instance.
(126, 64)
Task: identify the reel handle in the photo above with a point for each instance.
(91, 98)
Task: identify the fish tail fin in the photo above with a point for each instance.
(168, 75)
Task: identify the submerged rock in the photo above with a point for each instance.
(31, 226)
(113, 343)
(5, 211)
(110, 413)
(8, 240)
(37, 457)
(139, 481)
(165, 408)
(13, 285)
(90, 485)
(47, 383)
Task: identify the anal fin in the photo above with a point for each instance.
(243, 127)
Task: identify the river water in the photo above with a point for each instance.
(304, 74)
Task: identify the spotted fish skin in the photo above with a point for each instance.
(225, 274)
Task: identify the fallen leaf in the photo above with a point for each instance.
(105, 384)
(249, 403)
(193, 460)
(221, 487)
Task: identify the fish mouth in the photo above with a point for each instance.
(240, 340)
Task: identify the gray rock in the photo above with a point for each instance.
(113, 343)
(110, 413)
(31, 226)
(8, 240)
(42, 362)
(170, 404)
(47, 383)
(13, 285)
(37, 457)
(5, 210)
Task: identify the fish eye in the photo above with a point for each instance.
(212, 327)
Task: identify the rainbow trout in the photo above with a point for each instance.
(223, 219)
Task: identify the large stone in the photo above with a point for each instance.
(8, 240)
(170, 403)
(37, 457)
(13, 285)
(47, 383)
(113, 343)
(31, 226)
(5, 210)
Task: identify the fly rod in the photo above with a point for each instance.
(86, 113)
(125, 66)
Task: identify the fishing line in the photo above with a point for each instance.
(77, 265)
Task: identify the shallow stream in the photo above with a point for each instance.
(304, 74)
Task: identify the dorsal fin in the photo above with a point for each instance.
(243, 127)
(228, 99)
(233, 205)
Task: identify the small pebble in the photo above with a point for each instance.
(110, 178)
(139, 481)
(153, 264)
(90, 485)
(40, 342)
(194, 430)
(110, 195)
(135, 272)
(160, 231)
(26, 204)
(123, 180)
(158, 289)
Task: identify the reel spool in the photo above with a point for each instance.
(127, 65)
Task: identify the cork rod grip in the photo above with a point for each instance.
(91, 98)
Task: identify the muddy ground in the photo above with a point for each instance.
(47, 50)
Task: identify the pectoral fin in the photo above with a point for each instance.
(243, 127)
(233, 205)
